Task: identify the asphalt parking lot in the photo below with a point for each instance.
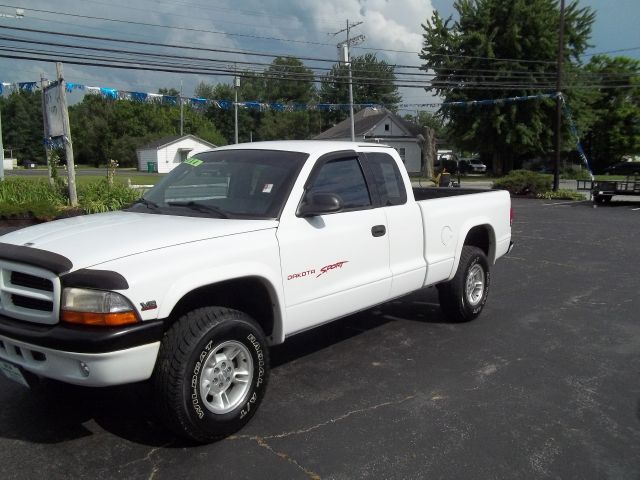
(545, 384)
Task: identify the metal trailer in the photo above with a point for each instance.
(603, 190)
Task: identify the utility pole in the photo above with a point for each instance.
(181, 112)
(344, 56)
(236, 87)
(68, 146)
(556, 167)
(43, 84)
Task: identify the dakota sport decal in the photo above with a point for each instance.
(312, 271)
(328, 268)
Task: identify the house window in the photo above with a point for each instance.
(387, 127)
(403, 153)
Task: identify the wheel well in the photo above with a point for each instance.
(480, 237)
(249, 295)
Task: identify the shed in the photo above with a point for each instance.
(375, 124)
(164, 154)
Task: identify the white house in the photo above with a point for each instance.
(164, 154)
(382, 126)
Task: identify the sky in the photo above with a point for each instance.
(302, 28)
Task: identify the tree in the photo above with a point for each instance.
(22, 125)
(105, 129)
(616, 132)
(373, 82)
(286, 81)
(170, 91)
(498, 49)
(428, 119)
(223, 118)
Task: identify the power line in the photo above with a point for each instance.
(181, 28)
(260, 37)
(460, 73)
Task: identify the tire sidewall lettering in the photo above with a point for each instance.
(198, 410)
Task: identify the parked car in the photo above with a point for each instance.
(472, 165)
(623, 168)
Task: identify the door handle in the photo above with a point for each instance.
(378, 230)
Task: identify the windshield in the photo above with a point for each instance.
(226, 184)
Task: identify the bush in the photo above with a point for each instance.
(574, 172)
(26, 198)
(21, 197)
(101, 196)
(561, 195)
(523, 182)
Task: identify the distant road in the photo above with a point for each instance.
(23, 172)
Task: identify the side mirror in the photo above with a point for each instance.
(319, 204)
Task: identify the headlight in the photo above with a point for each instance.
(96, 307)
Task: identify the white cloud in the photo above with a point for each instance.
(387, 24)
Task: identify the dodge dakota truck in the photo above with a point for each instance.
(233, 251)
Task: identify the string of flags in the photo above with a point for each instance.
(196, 102)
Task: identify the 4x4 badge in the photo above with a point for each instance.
(150, 305)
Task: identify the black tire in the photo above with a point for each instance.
(459, 303)
(188, 365)
(603, 199)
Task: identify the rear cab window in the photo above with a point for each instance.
(387, 179)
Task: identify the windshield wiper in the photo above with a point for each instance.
(147, 203)
(200, 207)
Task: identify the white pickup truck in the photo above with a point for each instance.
(233, 251)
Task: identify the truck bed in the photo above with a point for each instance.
(427, 193)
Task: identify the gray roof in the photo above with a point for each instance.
(364, 121)
(164, 141)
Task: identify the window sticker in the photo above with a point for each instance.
(267, 188)
(194, 162)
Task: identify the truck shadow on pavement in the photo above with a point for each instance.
(52, 412)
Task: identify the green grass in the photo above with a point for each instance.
(151, 179)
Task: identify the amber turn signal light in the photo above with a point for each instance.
(115, 319)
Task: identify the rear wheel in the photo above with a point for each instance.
(211, 373)
(464, 296)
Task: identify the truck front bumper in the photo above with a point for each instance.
(93, 357)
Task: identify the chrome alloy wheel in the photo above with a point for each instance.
(474, 286)
(226, 377)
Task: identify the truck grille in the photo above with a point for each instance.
(31, 281)
(32, 303)
(29, 293)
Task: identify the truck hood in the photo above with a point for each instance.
(93, 239)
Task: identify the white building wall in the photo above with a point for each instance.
(394, 129)
(168, 157)
(145, 156)
(412, 154)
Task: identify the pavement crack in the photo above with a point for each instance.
(340, 418)
(262, 441)
(147, 458)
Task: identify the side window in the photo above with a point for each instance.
(345, 179)
(387, 178)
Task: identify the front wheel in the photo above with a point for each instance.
(211, 373)
(463, 297)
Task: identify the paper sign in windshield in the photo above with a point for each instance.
(194, 162)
